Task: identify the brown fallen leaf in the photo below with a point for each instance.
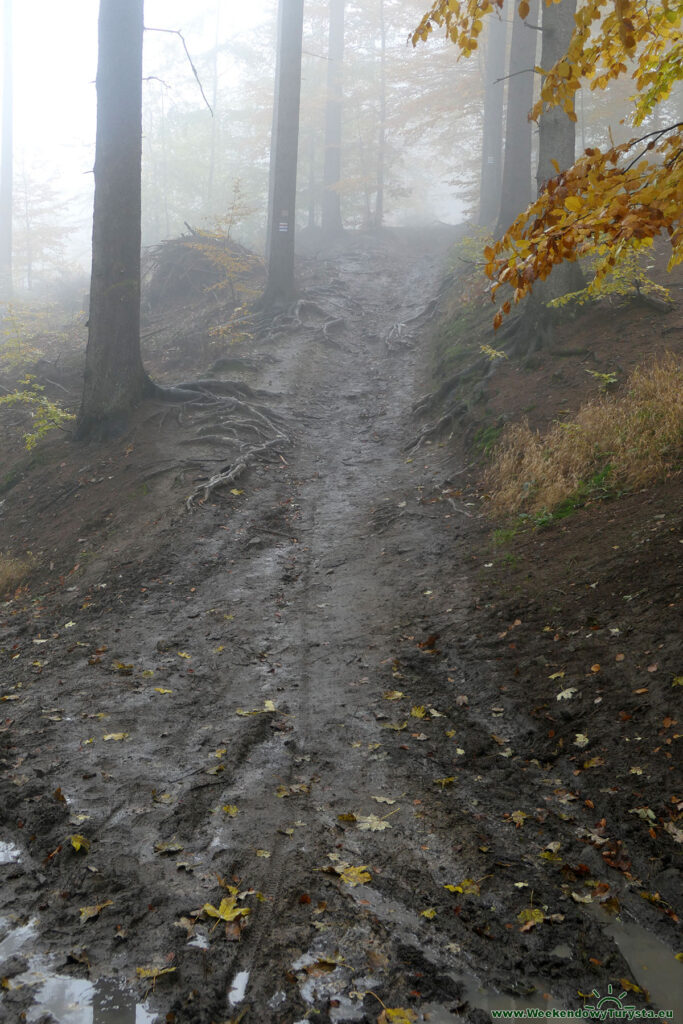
(530, 917)
(89, 912)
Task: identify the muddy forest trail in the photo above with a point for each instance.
(308, 790)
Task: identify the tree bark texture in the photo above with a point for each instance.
(516, 188)
(280, 286)
(331, 200)
(492, 142)
(556, 137)
(556, 132)
(382, 137)
(7, 160)
(115, 381)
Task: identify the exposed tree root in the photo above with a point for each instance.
(435, 430)
(229, 475)
(227, 415)
(399, 335)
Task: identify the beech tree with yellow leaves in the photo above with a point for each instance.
(611, 199)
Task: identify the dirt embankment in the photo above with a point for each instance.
(330, 753)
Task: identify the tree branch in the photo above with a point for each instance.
(524, 71)
(658, 133)
(177, 32)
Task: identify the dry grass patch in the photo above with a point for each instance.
(13, 572)
(623, 441)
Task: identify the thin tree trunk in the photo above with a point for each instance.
(164, 165)
(213, 156)
(280, 287)
(331, 203)
(492, 142)
(381, 142)
(516, 190)
(115, 381)
(7, 161)
(312, 185)
(27, 229)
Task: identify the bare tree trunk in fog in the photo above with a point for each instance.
(556, 130)
(214, 120)
(381, 146)
(557, 134)
(280, 288)
(115, 381)
(331, 204)
(516, 191)
(7, 161)
(492, 143)
(26, 189)
(312, 184)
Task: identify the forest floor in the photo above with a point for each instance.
(331, 751)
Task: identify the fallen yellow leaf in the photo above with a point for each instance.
(153, 972)
(227, 911)
(88, 912)
(355, 875)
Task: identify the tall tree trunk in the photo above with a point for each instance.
(7, 160)
(280, 288)
(516, 192)
(382, 139)
(556, 130)
(557, 136)
(27, 228)
(213, 156)
(115, 381)
(492, 143)
(312, 184)
(331, 203)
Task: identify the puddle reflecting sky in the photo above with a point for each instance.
(9, 853)
(74, 1001)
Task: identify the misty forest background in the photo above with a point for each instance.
(423, 135)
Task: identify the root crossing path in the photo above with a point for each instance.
(292, 774)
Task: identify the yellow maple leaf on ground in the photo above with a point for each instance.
(396, 1016)
(227, 911)
(371, 823)
(153, 972)
(355, 875)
